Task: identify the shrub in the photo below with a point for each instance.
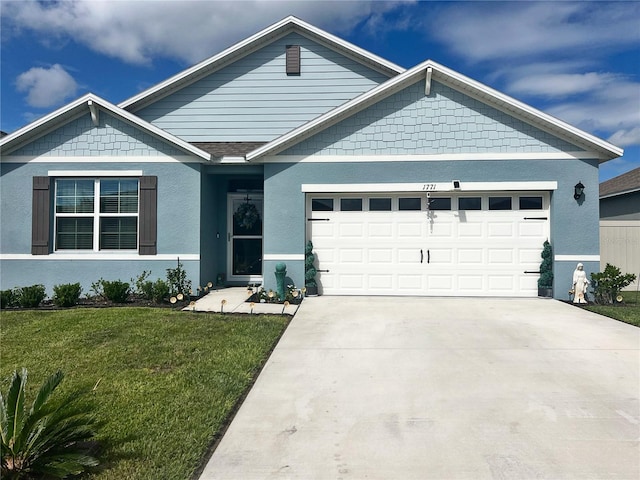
(309, 269)
(160, 291)
(115, 291)
(143, 287)
(177, 279)
(67, 294)
(29, 297)
(7, 299)
(50, 438)
(546, 267)
(608, 283)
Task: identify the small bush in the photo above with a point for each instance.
(8, 299)
(177, 279)
(160, 291)
(67, 294)
(30, 297)
(608, 283)
(142, 286)
(116, 291)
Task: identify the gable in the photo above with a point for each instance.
(446, 121)
(253, 99)
(112, 137)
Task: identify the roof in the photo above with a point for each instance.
(626, 183)
(86, 104)
(251, 44)
(431, 70)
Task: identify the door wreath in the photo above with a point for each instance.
(246, 215)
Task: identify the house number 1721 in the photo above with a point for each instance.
(428, 187)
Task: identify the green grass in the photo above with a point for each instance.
(167, 381)
(628, 312)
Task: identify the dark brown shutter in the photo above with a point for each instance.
(293, 59)
(148, 215)
(40, 216)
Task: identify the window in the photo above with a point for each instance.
(106, 206)
(410, 203)
(380, 204)
(530, 203)
(322, 205)
(439, 203)
(351, 204)
(499, 203)
(469, 203)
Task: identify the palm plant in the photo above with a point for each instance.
(49, 439)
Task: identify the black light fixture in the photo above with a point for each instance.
(578, 190)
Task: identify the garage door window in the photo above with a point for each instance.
(380, 204)
(351, 204)
(440, 203)
(470, 203)
(499, 203)
(322, 204)
(410, 203)
(530, 203)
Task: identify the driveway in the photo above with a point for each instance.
(442, 388)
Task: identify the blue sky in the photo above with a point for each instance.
(578, 61)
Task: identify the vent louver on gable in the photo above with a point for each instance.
(293, 59)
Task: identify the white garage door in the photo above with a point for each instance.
(467, 244)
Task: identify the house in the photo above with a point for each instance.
(408, 182)
(620, 223)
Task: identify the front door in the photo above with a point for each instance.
(245, 216)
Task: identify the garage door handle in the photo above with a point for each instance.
(536, 218)
(421, 256)
(428, 256)
(317, 219)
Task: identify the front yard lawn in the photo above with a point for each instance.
(165, 382)
(629, 312)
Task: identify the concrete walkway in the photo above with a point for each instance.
(434, 388)
(235, 301)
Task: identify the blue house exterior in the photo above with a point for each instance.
(408, 182)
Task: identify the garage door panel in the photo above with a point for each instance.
(475, 252)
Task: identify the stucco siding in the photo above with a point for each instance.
(254, 100)
(178, 227)
(574, 225)
(446, 121)
(81, 138)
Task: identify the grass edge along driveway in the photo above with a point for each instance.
(164, 382)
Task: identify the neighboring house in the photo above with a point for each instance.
(408, 182)
(620, 223)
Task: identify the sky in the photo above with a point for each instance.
(577, 61)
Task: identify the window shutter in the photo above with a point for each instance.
(41, 214)
(293, 59)
(148, 215)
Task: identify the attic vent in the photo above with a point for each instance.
(293, 59)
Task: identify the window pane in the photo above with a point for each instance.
(74, 234)
(351, 204)
(410, 203)
(322, 204)
(74, 196)
(119, 196)
(380, 204)
(530, 203)
(118, 233)
(499, 203)
(469, 203)
(440, 203)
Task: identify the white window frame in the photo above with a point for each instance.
(96, 215)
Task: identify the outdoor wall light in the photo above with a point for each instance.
(578, 190)
(456, 184)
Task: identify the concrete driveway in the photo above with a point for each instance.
(420, 388)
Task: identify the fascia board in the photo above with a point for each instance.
(247, 45)
(39, 127)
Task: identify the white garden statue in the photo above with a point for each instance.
(580, 284)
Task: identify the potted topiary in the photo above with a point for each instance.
(310, 270)
(545, 282)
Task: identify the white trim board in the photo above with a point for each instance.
(430, 157)
(101, 256)
(94, 173)
(428, 187)
(132, 159)
(577, 258)
(283, 256)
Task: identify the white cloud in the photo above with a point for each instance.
(136, 32)
(46, 87)
(623, 138)
(561, 84)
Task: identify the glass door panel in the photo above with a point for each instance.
(245, 217)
